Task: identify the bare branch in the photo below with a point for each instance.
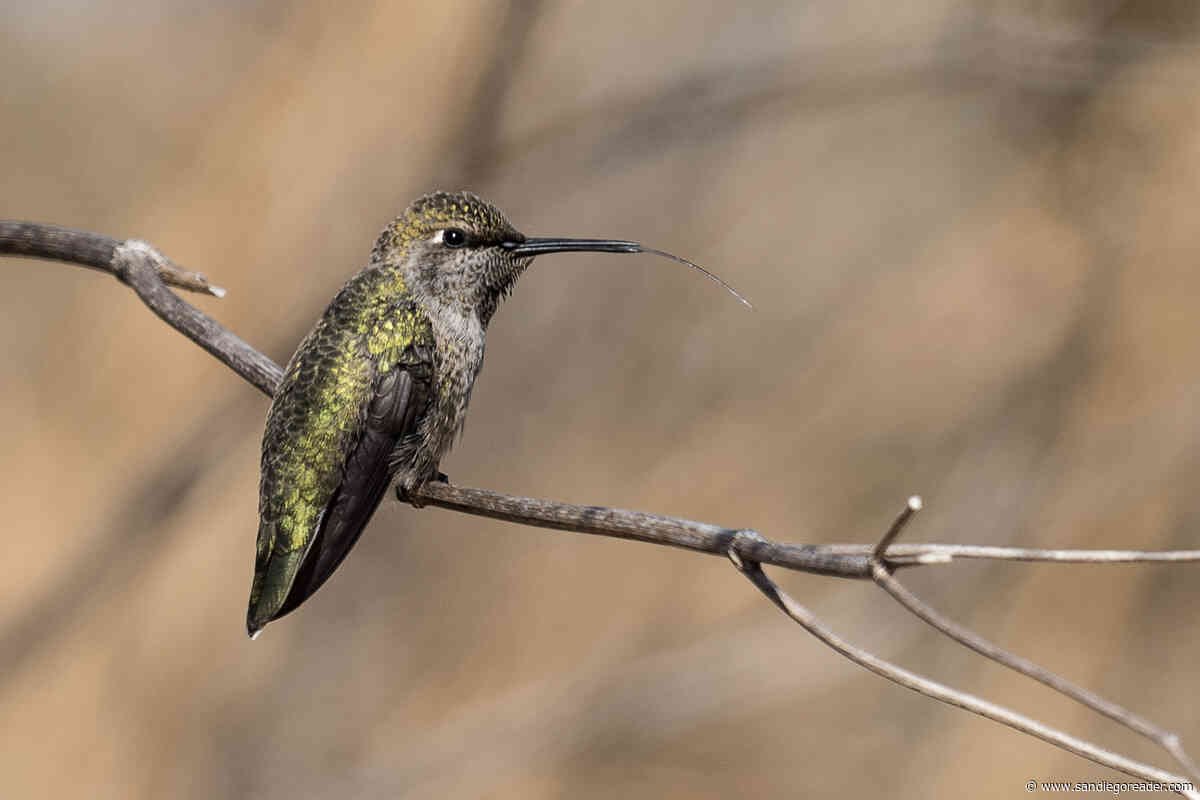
(638, 525)
(89, 250)
(838, 560)
(883, 577)
(907, 555)
(148, 272)
(945, 694)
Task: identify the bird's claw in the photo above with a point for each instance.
(404, 496)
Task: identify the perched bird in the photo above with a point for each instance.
(378, 390)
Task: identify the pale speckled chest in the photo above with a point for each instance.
(459, 335)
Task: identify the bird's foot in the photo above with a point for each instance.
(405, 496)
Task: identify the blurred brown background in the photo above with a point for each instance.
(969, 233)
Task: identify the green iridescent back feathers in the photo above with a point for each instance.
(372, 326)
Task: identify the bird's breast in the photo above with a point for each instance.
(459, 337)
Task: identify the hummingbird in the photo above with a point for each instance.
(377, 391)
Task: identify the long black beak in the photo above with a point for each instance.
(540, 247)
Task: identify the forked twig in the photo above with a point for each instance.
(883, 577)
(954, 697)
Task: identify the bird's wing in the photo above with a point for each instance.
(285, 578)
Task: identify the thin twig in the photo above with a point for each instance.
(910, 508)
(700, 537)
(909, 555)
(883, 577)
(148, 272)
(954, 697)
(837, 560)
(89, 250)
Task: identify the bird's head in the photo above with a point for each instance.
(457, 248)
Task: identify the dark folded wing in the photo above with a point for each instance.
(395, 407)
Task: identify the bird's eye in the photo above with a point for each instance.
(453, 237)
